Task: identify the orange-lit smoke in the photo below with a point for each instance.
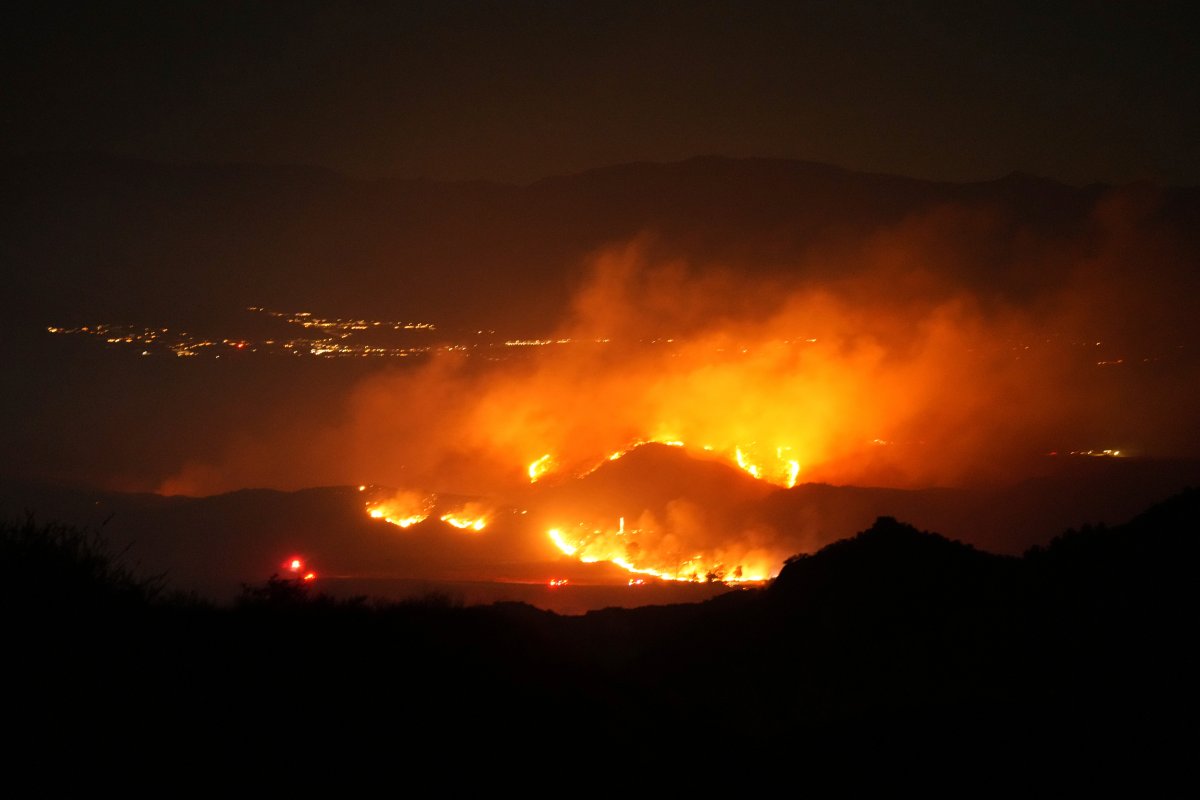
(815, 385)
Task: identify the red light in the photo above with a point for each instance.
(310, 576)
(295, 565)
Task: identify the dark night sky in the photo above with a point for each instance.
(519, 90)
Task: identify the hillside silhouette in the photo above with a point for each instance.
(895, 643)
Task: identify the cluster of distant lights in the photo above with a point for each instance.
(335, 338)
(338, 337)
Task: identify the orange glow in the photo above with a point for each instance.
(309, 577)
(295, 565)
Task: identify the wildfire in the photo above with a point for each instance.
(556, 536)
(403, 509)
(540, 467)
(471, 516)
(745, 463)
(399, 521)
(781, 470)
(463, 523)
(622, 548)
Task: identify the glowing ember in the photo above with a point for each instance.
(309, 577)
(554, 583)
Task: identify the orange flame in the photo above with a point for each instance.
(463, 523)
(473, 515)
(403, 509)
(540, 467)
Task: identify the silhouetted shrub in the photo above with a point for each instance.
(47, 566)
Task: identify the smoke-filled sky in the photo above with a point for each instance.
(1076, 91)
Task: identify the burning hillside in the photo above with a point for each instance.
(891, 370)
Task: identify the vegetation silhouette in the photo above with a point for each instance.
(896, 642)
(53, 566)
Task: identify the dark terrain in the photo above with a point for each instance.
(895, 646)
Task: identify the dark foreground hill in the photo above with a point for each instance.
(894, 646)
(212, 545)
